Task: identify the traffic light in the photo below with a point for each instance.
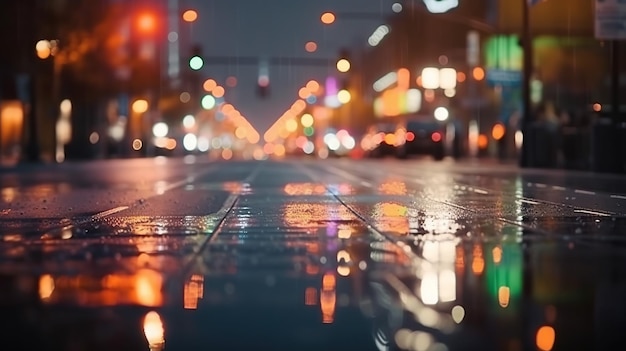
(263, 87)
(344, 61)
(147, 23)
(196, 62)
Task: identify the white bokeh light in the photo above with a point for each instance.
(441, 114)
(190, 142)
(160, 130)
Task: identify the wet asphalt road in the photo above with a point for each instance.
(310, 255)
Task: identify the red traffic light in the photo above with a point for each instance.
(146, 22)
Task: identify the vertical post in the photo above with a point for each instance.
(526, 157)
(615, 81)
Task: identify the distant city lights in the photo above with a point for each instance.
(310, 46)
(441, 113)
(196, 63)
(378, 35)
(343, 65)
(440, 6)
(208, 102)
(328, 18)
(160, 129)
(190, 15)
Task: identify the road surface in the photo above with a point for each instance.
(192, 254)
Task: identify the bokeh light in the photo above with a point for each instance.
(94, 137)
(343, 65)
(184, 97)
(460, 77)
(196, 63)
(209, 85)
(478, 73)
(498, 131)
(160, 129)
(313, 86)
(218, 91)
(231, 81)
(310, 46)
(137, 144)
(291, 125)
(139, 106)
(43, 49)
(306, 120)
(208, 102)
(328, 18)
(189, 121)
(146, 22)
(344, 96)
(190, 15)
(304, 93)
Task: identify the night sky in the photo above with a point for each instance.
(266, 28)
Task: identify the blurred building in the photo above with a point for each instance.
(100, 56)
(481, 40)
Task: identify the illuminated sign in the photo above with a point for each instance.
(440, 6)
(394, 102)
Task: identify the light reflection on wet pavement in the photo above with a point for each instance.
(304, 255)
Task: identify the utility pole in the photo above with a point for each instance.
(526, 159)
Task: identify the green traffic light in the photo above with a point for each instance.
(196, 63)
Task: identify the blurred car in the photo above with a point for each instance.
(381, 140)
(424, 136)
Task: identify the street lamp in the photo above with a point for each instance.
(328, 18)
(343, 65)
(190, 16)
(146, 22)
(310, 46)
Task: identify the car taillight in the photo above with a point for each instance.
(410, 136)
(436, 137)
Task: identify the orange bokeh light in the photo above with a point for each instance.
(310, 46)
(313, 86)
(146, 22)
(190, 16)
(209, 85)
(478, 73)
(460, 77)
(404, 76)
(482, 141)
(231, 81)
(597, 107)
(498, 131)
(545, 338)
(218, 91)
(304, 93)
(328, 18)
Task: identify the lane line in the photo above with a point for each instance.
(76, 222)
(539, 185)
(522, 225)
(416, 261)
(593, 212)
(529, 202)
(108, 212)
(222, 214)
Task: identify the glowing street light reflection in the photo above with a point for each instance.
(154, 331)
